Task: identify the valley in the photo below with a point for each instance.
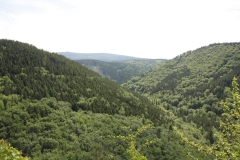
(56, 108)
(121, 71)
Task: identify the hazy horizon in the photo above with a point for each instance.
(138, 28)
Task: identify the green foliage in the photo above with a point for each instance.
(135, 154)
(121, 71)
(227, 138)
(50, 128)
(131, 140)
(7, 152)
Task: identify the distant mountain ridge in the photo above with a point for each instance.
(121, 71)
(107, 57)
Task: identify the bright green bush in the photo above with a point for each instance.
(7, 152)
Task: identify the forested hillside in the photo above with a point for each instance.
(54, 108)
(49, 129)
(192, 84)
(36, 74)
(121, 71)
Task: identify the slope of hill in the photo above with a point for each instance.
(35, 74)
(121, 71)
(107, 57)
(54, 108)
(192, 84)
(191, 69)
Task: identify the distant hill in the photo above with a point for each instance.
(107, 57)
(121, 71)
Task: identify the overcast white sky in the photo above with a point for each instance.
(141, 28)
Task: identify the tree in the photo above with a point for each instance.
(227, 143)
(131, 139)
(7, 152)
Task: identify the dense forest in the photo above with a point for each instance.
(121, 71)
(55, 108)
(192, 85)
(36, 74)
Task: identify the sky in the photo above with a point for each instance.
(140, 28)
